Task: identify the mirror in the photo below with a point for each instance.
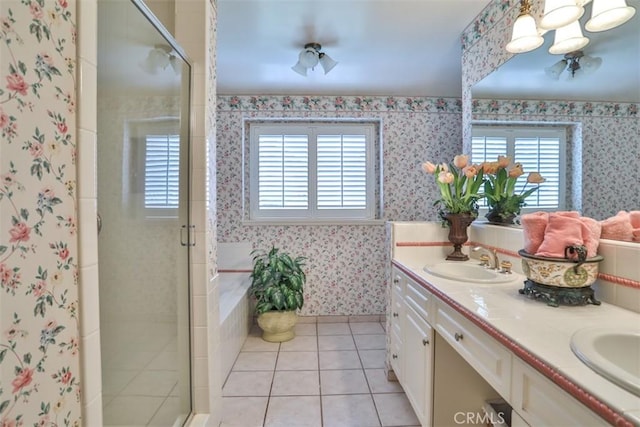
(600, 107)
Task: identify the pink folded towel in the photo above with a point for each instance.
(570, 214)
(592, 237)
(634, 217)
(533, 226)
(617, 227)
(561, 231)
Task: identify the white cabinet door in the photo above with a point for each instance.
(418, 364)
(396, 357)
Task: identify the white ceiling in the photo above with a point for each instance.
(383, 47)
(395, 47)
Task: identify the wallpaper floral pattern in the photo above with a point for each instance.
(346, 269)
(38, 243)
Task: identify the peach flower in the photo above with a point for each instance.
(503, 162)
(445, 177)
(535, 178)
(429, 167)
(470, 171)
(460, 161)
(516, 171)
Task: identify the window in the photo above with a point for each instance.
(312, 171)
(537, 149)
(161, 171)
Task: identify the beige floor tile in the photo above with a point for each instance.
(334, 329)
(306, 329)
(336, 342)
(131, 410)
(297, 361)
(254, 383)
(301, 343)
(394, 409)
(372, 358)
(370, 341)
(359, 328)
(341, 359)
(243, 411)
(255, 361)
(256, 343)
(298, 411)
(378, 382)
(355, 410)
(347, 381)
(151, 383)
(295, 383)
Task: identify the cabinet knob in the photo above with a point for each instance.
(395, 356)
(458, 336)
(396, 280)
(425, 341)
(395, 314)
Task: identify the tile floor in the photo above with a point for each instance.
(329, 375)
(140, 381)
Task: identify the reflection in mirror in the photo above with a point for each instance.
(142, 181)
(598, 106)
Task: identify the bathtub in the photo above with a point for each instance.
(235, 316)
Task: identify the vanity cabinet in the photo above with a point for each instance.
(412, 343)
(434, 349)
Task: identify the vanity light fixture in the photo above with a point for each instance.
(607, 14)
(525, 36)
(563, 17)
(310, 56)
(558, 13)
(568, 39)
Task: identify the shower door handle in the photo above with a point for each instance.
(99, 220)
(191, 235)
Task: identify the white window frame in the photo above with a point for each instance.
(511, 132)
(140, 131)
(312, 213)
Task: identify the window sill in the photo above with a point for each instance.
(312, 222)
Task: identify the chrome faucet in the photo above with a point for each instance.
(493, 256)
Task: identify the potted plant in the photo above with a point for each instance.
(500, 189)
(459, 183)
(277, 281)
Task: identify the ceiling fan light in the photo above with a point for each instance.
(568, 39)
(525, 36)
(308, 58)
(556, 69)
(327, 63)
(558, 13)
(590, 64)
(608, 14)
(300, 69)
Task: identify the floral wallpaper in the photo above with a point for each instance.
(39, 382)
(346, 266)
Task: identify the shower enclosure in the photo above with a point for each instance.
(144, 237)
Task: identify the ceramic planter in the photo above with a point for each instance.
(277, 326)
(560, 272)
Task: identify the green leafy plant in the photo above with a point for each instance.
(277, 280)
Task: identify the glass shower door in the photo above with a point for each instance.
(142, 163)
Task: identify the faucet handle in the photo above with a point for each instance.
(506, 267)
(484, 260)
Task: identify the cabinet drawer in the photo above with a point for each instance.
(488, 357)
(540, 402)
(395, 356)
(420, 300)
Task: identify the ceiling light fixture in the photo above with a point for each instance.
(159, 58)
(310, 56)
(563, 17)
(575, 63)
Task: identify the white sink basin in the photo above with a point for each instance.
(467, 272)
(613, 353)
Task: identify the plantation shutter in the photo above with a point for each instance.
(341, 171)
(488, 148)
(283, 177)
(161, 168)
(542, 155)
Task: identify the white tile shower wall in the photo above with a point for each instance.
(621, 259)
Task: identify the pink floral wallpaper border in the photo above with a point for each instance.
(39, 338)
(554, 108)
